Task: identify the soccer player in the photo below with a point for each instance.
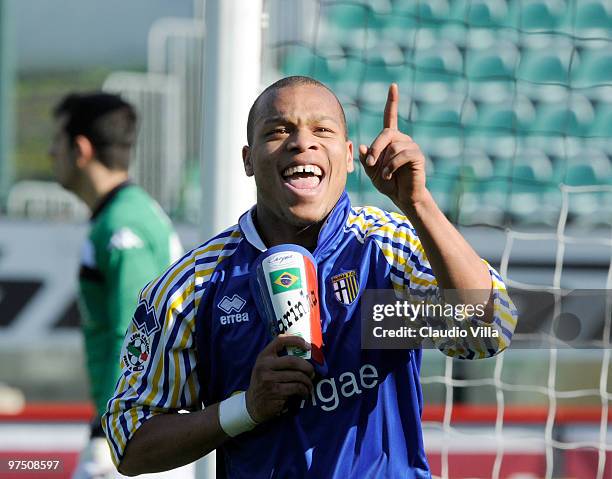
(130, 241)
(202, 342)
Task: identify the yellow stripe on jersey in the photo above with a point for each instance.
(395, 257)
(157, 379)
(506, 317)
(368, 227)
(168, 282)
(204, 251)
(192, 386)
(399, 230)
(177, 374)
(114, 412)
(182, 378)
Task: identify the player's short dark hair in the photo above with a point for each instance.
(108, 121)
(288, 82)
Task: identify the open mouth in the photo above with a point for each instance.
(303, 177)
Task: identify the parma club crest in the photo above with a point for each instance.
(346, 287)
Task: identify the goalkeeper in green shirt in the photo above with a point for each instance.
(131, 240)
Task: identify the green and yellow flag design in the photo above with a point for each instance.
(285, 280)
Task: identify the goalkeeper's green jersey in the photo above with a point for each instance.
(130, 243)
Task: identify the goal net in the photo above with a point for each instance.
(511, 102)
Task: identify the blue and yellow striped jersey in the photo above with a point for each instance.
(196, 334)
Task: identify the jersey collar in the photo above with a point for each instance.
(247, 225)
(108, 197)
(329, 236)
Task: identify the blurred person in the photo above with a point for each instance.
(130, 241)
(197, 337)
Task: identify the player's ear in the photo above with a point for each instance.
(85, 150)
(349, 156)
(246, 160)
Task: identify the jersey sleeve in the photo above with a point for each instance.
(158, 357)
(412, 277)
(482, 339)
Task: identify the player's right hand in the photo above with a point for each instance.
(276, 379)
(394, 162)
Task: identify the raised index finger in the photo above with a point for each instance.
(390, 116)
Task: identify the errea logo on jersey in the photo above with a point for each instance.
(235, 303)
(228, 305)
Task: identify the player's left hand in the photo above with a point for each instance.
(394, 162)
